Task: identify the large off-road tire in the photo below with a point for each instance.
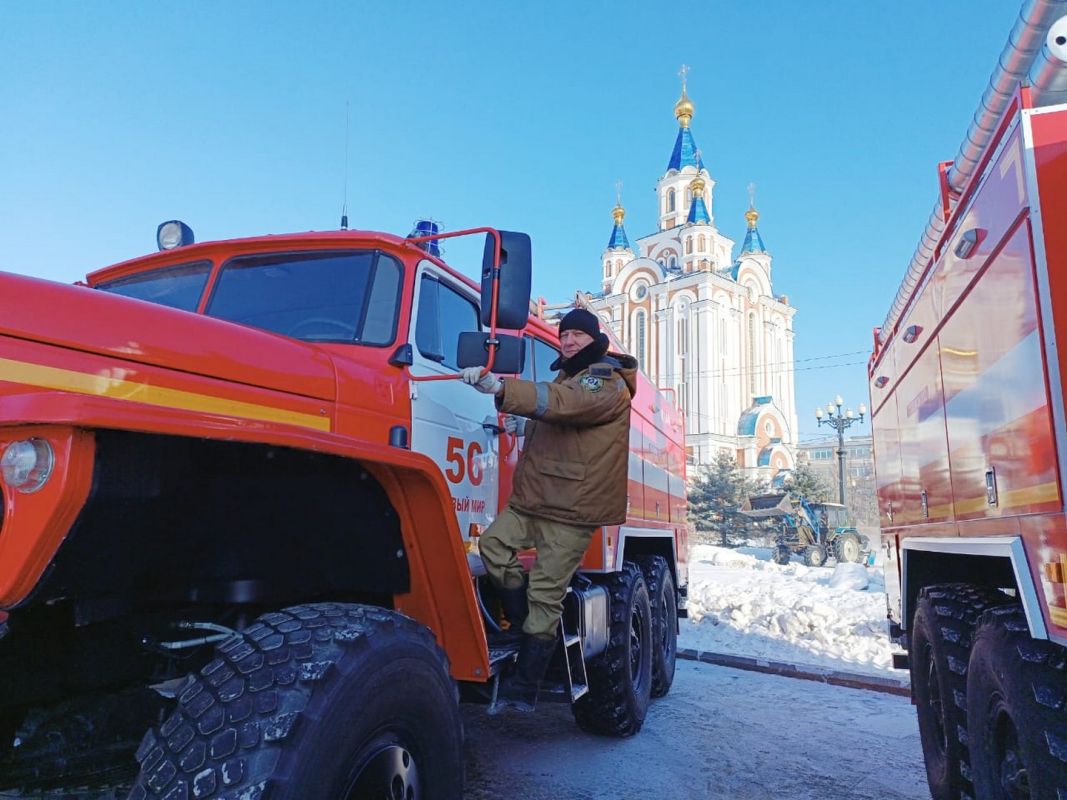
(664, 605)
(620, 678)
(782, 555)
(847, 548)
(940, 645)
(1016, 720)
(325, 701)
(815, 555)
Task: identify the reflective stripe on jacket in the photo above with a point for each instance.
(574, 464)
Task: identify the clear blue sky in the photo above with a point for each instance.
(231, 116)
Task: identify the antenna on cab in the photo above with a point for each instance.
(344, 202)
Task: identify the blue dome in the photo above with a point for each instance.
(753, 242)
(698, 212)
(685, 152)
(618, 238)
(746, 423)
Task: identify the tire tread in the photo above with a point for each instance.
(607, 708)
(225, 736)
(1040, 669)
(657, 572)
(956, 608)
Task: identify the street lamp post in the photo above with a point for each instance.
(839, 420)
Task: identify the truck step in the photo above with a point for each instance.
(573, 657)
(500, 656)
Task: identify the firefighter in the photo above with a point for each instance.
(571, 478)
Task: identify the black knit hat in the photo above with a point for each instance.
(580, 320)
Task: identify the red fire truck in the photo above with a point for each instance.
(242, 495)
(970, 436)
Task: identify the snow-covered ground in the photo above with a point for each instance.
(742, 603)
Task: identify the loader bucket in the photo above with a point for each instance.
(762, 506)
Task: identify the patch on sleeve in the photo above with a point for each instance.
(600, 371)
(591, 382)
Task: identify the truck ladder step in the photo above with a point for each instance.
(501, 656)
(574, 660)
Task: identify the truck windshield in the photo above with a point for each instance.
(178, 287)
(349, 297)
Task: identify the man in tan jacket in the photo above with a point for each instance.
(571, 479)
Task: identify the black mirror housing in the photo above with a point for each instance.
(474, 352)
(513, 297)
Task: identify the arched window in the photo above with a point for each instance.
(607, 269)
(701, 243)
(618, 264)
(688, 197)
(639, 338)
(670, 200)
(688, 245)
(752, 354)
(674, 262)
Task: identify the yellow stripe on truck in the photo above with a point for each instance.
(103, 385)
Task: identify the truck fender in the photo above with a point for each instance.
(920, 566)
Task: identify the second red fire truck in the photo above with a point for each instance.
(969, 410)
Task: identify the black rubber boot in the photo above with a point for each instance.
(515, 607)
(518, 691)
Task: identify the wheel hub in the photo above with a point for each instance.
(636, 631)
(934, 699)
(388, 772)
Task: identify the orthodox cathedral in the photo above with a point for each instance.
(703, 323)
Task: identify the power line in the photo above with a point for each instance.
(734, 371)
(803, 360)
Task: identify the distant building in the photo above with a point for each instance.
(702, 323)
(821, 456)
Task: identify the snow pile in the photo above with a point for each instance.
(849, 576)
(742, 603)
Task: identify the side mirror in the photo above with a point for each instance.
(513, 296)
(474, 352)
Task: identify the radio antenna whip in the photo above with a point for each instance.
(344, 202)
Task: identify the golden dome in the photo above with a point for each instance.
(618, 212)
(751, 215)
(683, 109)
(696, 186)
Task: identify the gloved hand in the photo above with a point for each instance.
(515, 424)
(487, 384)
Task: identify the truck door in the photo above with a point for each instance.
(450, 421)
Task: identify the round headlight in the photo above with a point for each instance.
(27, 465)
